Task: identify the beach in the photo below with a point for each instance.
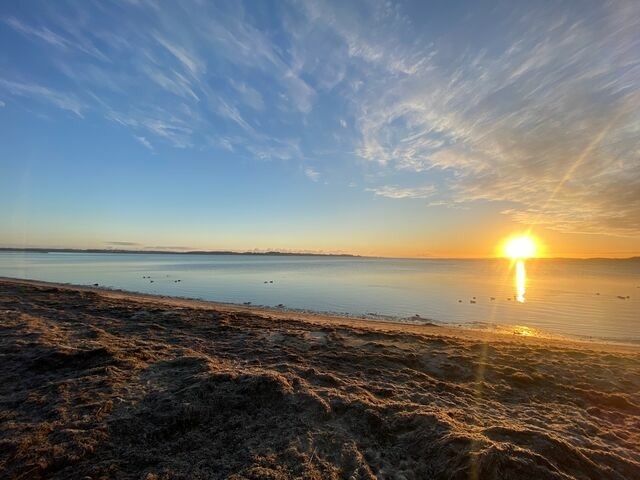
(106, 384)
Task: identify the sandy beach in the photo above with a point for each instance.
(102, 384)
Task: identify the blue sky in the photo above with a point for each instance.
(409, 128)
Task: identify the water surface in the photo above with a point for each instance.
(565, 297)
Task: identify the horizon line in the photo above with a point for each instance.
(286, 253)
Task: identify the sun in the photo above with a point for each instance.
(523, 246)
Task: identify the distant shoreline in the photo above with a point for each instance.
(174, 252)
(276, 253)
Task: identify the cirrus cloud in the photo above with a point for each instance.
(532, 106)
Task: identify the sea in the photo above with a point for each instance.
(589, 299)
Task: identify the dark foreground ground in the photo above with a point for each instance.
(103, 385)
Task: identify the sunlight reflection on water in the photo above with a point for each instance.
(521, 279)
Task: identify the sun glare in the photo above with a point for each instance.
(520, 247)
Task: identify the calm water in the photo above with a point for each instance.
(567, 297)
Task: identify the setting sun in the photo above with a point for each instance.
(520, 247)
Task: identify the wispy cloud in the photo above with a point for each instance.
(250, 96)
(312, 174)
(43, 34)
(518, 125)
(144, 141)
(65, 101)
(232, 113)
(268, 149)
(538, 113)
(192, 63)
(77, 42)
(397, 192)
(157, 123)
(171, 53)
(242, 44)
(123, 244)
(172, 82)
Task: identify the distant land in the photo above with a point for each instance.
(173, 252)
(273, 253)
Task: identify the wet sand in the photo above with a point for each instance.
(104, 384)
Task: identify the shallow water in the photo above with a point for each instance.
(565, 297)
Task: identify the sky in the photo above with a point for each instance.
(411, 129)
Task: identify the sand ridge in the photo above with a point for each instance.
(105, 384)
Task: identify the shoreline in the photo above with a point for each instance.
(497, 332)
(104, 384)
